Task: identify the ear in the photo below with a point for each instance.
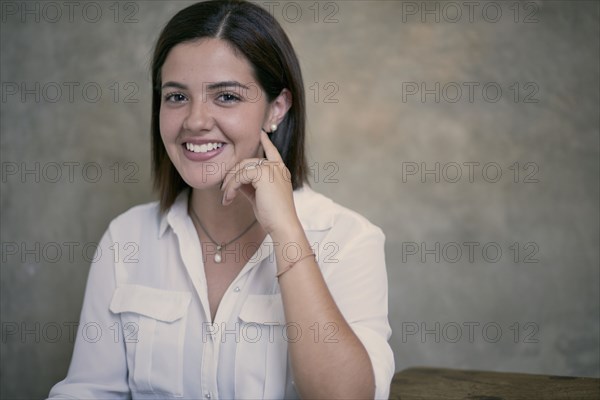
(279, 108)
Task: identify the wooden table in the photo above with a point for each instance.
(451, 384)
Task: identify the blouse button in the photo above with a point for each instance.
(207, 395)
(236, 289)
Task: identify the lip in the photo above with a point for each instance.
(190, 155)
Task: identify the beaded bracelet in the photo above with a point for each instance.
(286, 269)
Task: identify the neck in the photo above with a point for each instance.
(222, 222)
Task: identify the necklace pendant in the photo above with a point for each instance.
(218, 258)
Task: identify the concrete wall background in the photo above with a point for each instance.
(367, 57)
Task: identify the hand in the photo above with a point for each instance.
(267, 186)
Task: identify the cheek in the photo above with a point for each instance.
(243, 134)
(168, 124)
(242, 126)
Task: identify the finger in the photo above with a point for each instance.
(236, 169)
(243, 180)
(270, 150)
(245, 176)
(249, 192)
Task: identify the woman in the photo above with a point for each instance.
(241, 282)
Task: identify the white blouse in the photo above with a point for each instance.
(145, 330)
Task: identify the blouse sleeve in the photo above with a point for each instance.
(98, 367)
(357, 279)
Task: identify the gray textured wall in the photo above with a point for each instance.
(533, 307)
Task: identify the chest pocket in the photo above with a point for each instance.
(261, 354)
(153, 323)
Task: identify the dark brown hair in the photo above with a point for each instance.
(253, 32)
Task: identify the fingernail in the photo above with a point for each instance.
(226, 198)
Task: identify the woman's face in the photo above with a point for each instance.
(212, 111)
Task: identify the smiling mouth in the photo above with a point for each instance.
(203, 148)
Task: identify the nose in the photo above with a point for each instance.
(199, 117)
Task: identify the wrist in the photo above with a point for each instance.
(289, 232)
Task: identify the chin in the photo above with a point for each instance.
(199, 175)
(202, 180)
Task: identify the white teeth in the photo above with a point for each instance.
(203, 148)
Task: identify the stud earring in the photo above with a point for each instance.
(273, 128)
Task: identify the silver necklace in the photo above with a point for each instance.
(221, 246)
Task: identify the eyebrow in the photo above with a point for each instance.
(211, 86)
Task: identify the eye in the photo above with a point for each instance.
(174, 98)
(228, 98)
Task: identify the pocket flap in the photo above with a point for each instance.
(163, 305)
(263, 309)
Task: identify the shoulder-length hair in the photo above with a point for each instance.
(253, 32)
